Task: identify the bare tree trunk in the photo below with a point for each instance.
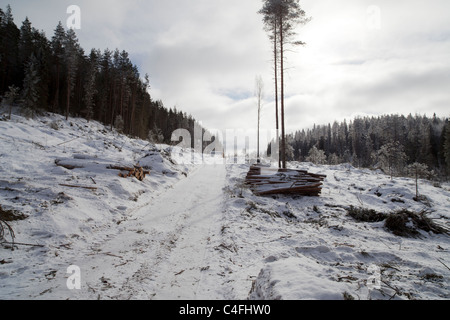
(259, 97)
(133, 110)
(68, 94)
(283, 133)
(275, 42)
(56, 101)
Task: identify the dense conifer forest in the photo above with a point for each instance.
(56, 75)
(377, 142)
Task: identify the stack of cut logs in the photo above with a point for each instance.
(137, 172)
(270, 181)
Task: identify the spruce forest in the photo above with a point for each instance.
(386, 142)
(57, 75)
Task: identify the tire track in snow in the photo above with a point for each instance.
(182, 221)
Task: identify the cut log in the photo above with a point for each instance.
(120, 168)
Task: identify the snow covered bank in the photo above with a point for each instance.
(62, 220)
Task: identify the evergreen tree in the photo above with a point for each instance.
(447, 145)
(42, 52)
(281, 17)
(104, 86)
(316, 156)
(26, 42)
(71, 56)
(90, 89)
(57, 47)
(10, 98)
(10, 68)
(31, 85)
(418, 170)
(392, 158)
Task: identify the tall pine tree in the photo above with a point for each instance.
(447, 145)
(90, 89)
(282, 17)
(11, 72)
(57, 48)
(31, 85)
(71, 56)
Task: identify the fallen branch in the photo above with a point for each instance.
(81, 187)
(23, 244)
(2, 232)
(60, 144)
(67, 166)
(443, 264)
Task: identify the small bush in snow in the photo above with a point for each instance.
(365, 215)
(119, 124)
(54, 125)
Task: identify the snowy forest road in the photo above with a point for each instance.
(188, 214)
(161, 251)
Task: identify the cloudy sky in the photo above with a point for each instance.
(361, 58)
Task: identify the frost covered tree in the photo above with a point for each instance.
(290, 155)
(392, 158)
(333, 159)
(119, 123)
(316, 156)
(360, 140)
(10, 97)
(155, 136)
(419, 170)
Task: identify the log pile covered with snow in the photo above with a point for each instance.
(268, 181)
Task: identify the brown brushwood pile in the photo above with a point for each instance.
(136, 171)
(271, 181)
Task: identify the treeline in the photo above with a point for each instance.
(362, 141)
(56, 75)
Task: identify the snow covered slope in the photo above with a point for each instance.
(62, 219)
(198, 232)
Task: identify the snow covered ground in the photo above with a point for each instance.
(309, 248)
(196, 231)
